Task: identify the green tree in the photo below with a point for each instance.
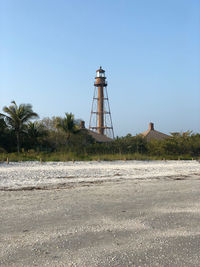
(68, 125)
(35, 135)
(17, 118)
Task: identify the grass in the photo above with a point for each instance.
(70, 156)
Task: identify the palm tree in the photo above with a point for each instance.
(17, 118)
(35, 133)
(67, 124)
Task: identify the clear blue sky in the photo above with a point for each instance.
(150, 49)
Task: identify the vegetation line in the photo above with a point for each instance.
(63, 139)
(64, 157)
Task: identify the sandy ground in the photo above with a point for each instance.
(125, 222)
(33, 175)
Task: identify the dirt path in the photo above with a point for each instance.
(123, 223)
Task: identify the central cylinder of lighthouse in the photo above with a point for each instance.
(100, 110)
(100, 83)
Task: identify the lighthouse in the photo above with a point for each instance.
(100, 118)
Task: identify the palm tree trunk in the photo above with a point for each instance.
(68, 137)
(18, 143)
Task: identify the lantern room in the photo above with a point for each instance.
(100, 73)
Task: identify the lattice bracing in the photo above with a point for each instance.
(100, 118)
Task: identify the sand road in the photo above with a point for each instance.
(112, 223)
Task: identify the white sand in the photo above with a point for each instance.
(33, 174)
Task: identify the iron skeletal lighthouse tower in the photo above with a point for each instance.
(100, 118)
